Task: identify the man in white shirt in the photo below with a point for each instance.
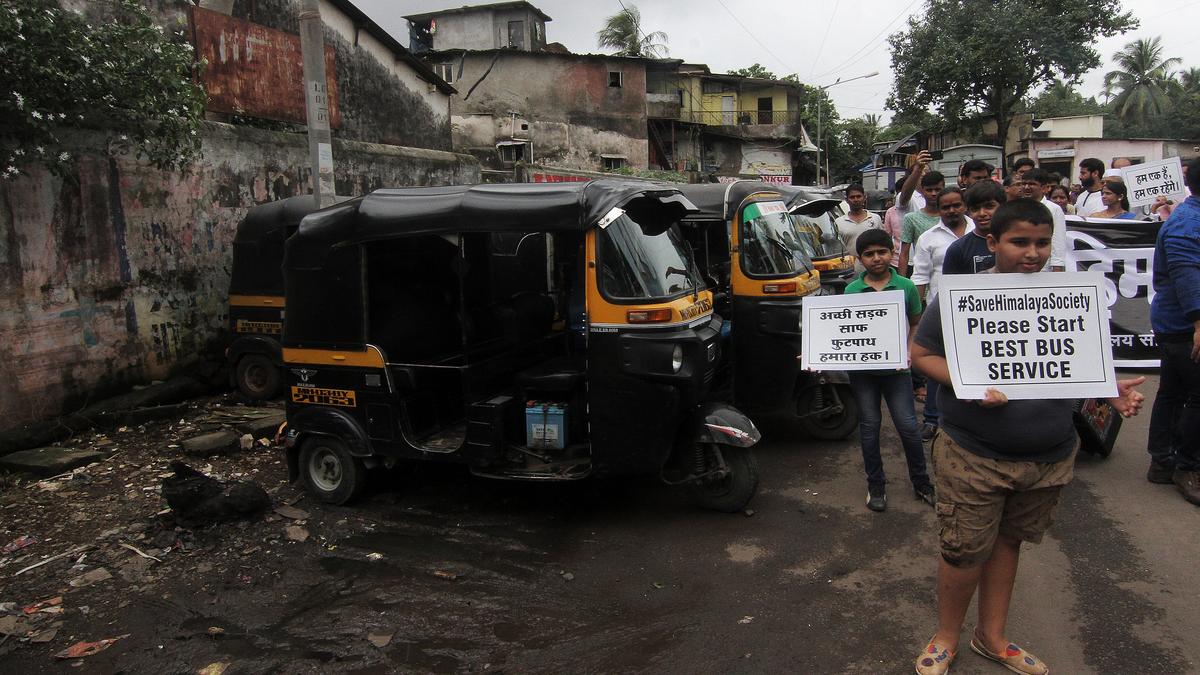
(1091, 174)
(1036, 184)
(930, 251)
(858, 220)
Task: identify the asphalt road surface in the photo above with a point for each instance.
(439, 572)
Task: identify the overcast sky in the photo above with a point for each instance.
(820, 41)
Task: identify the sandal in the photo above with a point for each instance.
(1014, 658)
(934, 660)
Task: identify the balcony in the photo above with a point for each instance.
(748, 123)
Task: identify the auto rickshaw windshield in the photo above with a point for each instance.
(635, 265)
(823, 233)
(770, 244)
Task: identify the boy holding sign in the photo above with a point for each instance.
(999, 468)
(875, 250)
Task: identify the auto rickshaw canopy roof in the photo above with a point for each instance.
(717, 200)
(515, 207)
(809, 200)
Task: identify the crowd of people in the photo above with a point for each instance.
(998, 466)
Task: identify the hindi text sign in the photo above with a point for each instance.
(1146, 182)
(861, 331)
(1029, 336)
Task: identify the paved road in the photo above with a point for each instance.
(623, 576)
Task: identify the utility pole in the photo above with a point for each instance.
(316, 101)
(820, 106)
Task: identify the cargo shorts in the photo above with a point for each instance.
(980, 498)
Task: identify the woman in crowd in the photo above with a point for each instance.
(1059, 194)
(1116, 203)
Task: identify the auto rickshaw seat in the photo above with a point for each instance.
(558, 375)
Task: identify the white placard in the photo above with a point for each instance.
(1027, 335)
(860, 331)
(1145, 182)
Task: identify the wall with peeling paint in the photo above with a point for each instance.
(119, 274)
(562, 104)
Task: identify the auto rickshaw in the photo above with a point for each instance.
(256, 299)
(759, 265)
(814, 210)
(543, 332)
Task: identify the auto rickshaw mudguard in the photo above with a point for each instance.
(322, 421)
(256, 344)
(723, 424)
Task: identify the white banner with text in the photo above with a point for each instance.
(861, 331)
(1028, 335)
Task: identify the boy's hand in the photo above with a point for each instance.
(1128, 400)
(994, 398)
(923, 160)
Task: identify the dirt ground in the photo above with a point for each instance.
(436, 571)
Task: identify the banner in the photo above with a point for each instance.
(1029, 336)
(860, 331)
(1123, 251)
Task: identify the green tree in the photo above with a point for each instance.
(970, 57)
(623, 32)
(1190, 79)
(124, 76)
(1142, 81)
(1060, 99)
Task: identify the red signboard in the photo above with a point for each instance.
(559, 178)
(254, 70)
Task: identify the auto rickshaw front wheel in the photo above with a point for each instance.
(330, 472)
(828, 412)
(733, 490)
(257, 378)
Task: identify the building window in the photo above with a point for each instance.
(516, 34)
(615, 78)
(613, 162)
(444, 71)
(709, 87)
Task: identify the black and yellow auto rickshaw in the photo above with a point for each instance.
(256, 299)
(814, 211)
(760, 268)
(528, 331)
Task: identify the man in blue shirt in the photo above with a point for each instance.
(1174, 442)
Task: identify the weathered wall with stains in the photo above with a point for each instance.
(119, 274)
(382, 100)
(564, 105)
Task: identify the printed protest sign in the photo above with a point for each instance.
(861, 331)
(1027, 335)
(1145, 182)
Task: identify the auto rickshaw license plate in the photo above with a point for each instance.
(321, 396)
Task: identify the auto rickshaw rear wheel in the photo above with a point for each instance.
(812, 407)
(330, 472)
(257, 377)
(733, 491)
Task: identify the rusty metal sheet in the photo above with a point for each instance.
(254, 70)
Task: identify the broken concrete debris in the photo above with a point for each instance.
(50, 461)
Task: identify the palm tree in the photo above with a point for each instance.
(623, 31)
(1142, 81)
(1190, 79)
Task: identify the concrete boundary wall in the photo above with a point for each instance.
(118, 274)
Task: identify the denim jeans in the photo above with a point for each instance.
(931, 409)
(896, 389)
(1175, 419)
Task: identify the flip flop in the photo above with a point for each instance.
(934, 660)
(1014, 658)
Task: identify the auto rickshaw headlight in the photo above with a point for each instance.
(676, 358)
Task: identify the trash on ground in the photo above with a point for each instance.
(43, 605)
(197, 499)
(446, 574)
(292, 512)
(82, 649)
(296, 533)
(95, 576)
(18, 544)
(380, 640)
